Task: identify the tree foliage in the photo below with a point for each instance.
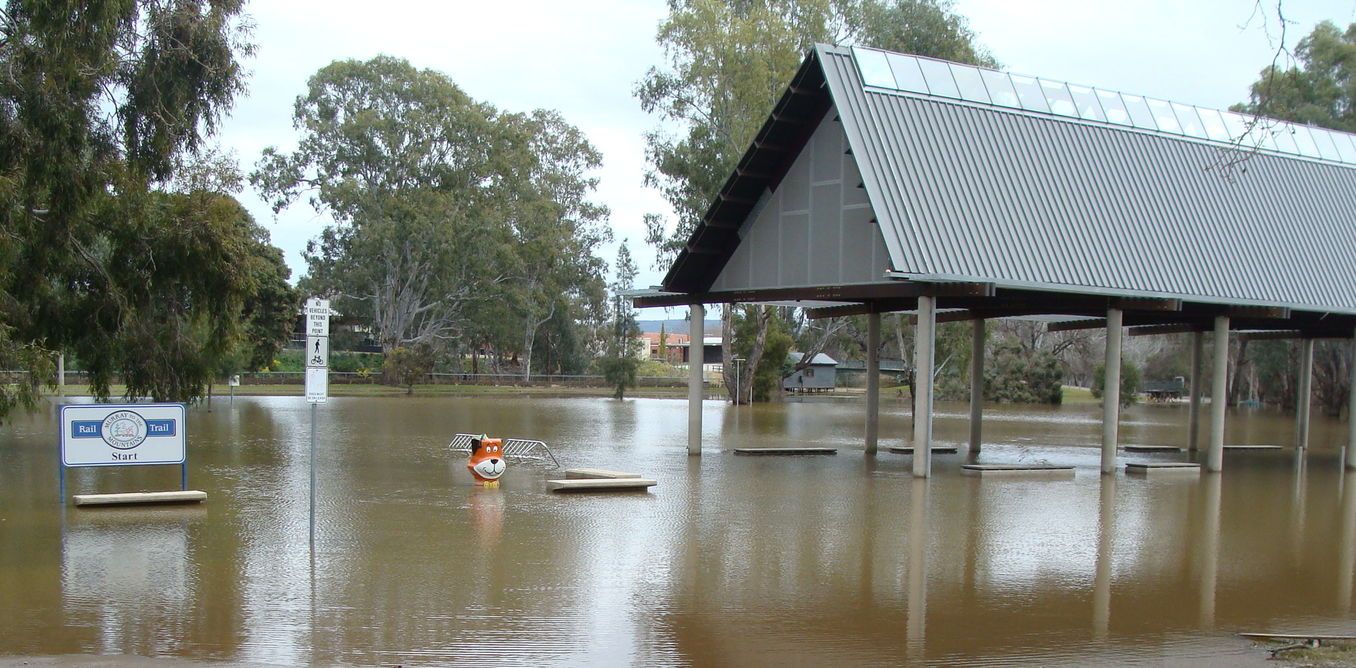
(1320, 90)
(623, 358)
(453, 221)
(1016, 374)
(103, 105)
(1129, 382)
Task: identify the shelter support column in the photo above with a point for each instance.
(1197, 382)
(1219, 399)
(1306, 390)
(872, 382)
(977, 387)
(695, 387)
(924, 345)
(1351, 411)
(1111, 390)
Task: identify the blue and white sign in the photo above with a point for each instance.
(122, 435)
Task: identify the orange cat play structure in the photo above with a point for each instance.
(487, 460)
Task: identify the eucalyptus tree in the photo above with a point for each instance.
(445, 209)
(403, 160)
(727, 65)
(100, 102)
(556, 228)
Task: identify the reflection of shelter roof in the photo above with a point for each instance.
(881, 177)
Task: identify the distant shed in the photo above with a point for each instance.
(819, 376)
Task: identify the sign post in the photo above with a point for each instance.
(317, 354)
(122, 435)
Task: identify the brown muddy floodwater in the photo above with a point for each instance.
(731, 560)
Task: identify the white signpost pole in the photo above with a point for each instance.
(317, 354)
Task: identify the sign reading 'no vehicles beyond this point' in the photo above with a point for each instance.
(122, 435)
(317, 351)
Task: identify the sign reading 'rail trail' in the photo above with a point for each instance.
(122, 435)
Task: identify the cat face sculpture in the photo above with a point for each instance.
(487, 459)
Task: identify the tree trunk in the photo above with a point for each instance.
(764, 316)
(389, 376)
(726, 352)
(1240, 363)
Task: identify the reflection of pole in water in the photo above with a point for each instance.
(917, 570)
(1299, 483)
(1209, 537)
(1101, 588)
(1346, 537)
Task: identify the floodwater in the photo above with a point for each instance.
(731, 560)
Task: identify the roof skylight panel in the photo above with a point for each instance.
(1057, 95)
(874, 68)
(970, 84)
(908, 76)
(938, 76)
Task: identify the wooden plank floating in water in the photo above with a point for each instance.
(936, 449)
(589, 474)
(1161, 468)
(1151, 448)
(599, 484)
(1298, 636)
(786, 451)
(1018, 470)
(1252, 447)
(187, 496)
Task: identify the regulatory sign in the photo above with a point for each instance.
(317, 386)
(317, 352)
(122, 435)
(317, 317)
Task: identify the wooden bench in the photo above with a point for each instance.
(134, 498)
(786, 451)
(936, 449)
(1018, 471)
(1154, 469)
(600, 484)
(1151, 448)
(589, 474)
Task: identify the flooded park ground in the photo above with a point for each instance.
(842, 560)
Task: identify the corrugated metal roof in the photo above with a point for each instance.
(977, 192)
(820, 359)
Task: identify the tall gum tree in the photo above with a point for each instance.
(445, 209)
(101, 102)
(726, 65)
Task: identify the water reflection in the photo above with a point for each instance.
(731, 560)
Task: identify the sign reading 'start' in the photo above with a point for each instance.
(119, 435)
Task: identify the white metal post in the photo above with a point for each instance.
(872, 382)
(61, 374)
(695, 361)
(1219, 391)
(1306, 390)
(1111, 390)
(977, 386)
(1351, 410)
(1197, 383)
(924, 346)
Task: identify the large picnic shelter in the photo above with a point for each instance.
(886, 182)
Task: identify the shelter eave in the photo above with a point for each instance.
(762, 168)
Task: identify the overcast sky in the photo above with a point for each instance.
(584, 57)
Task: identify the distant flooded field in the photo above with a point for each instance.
(730, 560)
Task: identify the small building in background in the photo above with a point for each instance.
(820, 376)
(673, 350)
